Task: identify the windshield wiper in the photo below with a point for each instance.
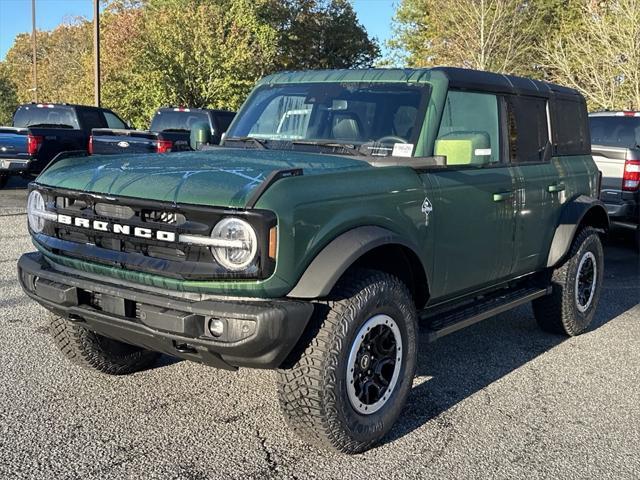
(330, 144)
(260, 144)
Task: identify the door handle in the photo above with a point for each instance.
(558, 187)
(502, 196)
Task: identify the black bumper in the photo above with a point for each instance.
(258, 334)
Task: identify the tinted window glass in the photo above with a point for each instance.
(169, 120)
(528, 130)
(224, 120)
(113, 121)
(469, 129)
(92, 119)
(615, 131)
(34, 115)
(355, 114)
(571, 131)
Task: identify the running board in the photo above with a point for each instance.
(441, 324)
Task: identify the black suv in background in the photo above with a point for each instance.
(40, 131)
(615, 145)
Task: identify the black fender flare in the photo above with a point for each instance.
(335, 258)
(574, 214)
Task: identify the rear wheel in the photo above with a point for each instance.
(571, 306)
(3, 181)
(96, 352)
(350, 380)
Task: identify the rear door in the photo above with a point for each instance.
(474, 208)
(541, 187)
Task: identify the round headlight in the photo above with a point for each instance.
(242, 243)
(35, 210)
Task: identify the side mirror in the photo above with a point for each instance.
(200, 135)
(464, 148)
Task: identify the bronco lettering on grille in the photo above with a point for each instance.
(102, 226)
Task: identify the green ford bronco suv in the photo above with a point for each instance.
(343, 208)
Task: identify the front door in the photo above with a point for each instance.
(473, 211)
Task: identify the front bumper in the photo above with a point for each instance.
(258, 334)
(13, 166)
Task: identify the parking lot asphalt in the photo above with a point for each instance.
(500, 399)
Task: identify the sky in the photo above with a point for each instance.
(15, 17)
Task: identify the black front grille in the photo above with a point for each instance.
(151, 255)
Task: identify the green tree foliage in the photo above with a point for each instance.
(8, 96)
(497, 35)
(201, 53)
(316, 34)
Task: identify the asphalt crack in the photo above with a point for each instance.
(272, 463)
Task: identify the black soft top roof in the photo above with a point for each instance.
(501, 83)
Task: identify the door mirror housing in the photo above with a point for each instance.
(464, 148)
(200, 135)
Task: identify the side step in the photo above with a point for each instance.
(443, 323)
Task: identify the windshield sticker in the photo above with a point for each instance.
(402, 150)
(482, 152)
(427, 208)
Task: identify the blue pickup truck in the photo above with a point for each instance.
(40, 131)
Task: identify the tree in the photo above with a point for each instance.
(495, 35)
(317, 34)
(598, 53)
(8, 97)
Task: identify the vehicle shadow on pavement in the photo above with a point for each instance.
(467, 361)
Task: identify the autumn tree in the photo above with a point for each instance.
(319, 34)
(598, 53)
(8, 96)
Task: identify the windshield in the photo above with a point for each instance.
(370, 117)
(45, 115)
(177, 121)
(615, 131)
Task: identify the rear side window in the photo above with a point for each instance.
(113, 121)
(224, 120)
(45, 116)
(180, 121)
(615, 131)
(92, 119)
(469, 120)
(528, 130)
(570, 127)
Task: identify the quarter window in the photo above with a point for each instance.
(528, 130)
(469, 129)
(571, 127)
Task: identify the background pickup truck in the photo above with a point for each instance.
(41, 131)
(615, 138)
(169, 132)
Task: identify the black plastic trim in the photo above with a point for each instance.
(170, 324)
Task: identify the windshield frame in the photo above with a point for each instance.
(425, 91)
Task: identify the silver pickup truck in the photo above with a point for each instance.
(615, 146)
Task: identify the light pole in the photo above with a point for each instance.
(96, 51)
(33, 47)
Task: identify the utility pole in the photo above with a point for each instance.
(33, 47)
(96, 51)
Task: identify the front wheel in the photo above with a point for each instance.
(96, 352)
(576, 287)
(352, 376)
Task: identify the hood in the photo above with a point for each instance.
(223, 177)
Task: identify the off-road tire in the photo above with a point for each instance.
(3, 181)
(96, 352)
(313, 389)
(558, 312)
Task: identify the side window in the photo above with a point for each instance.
(92, 119)
(570, 125)
(469, 131)
(113, 121)
(528, 130)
